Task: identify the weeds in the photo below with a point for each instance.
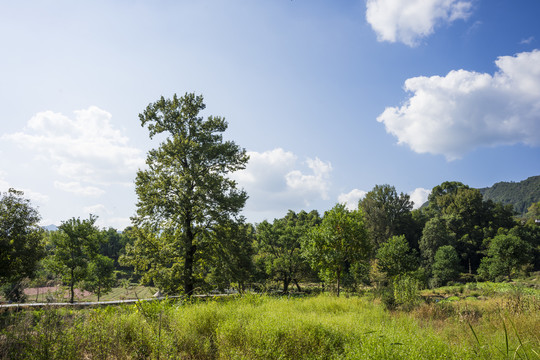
(263, 327)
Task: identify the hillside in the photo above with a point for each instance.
(521, 194)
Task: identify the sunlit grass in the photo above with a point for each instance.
(263, 327)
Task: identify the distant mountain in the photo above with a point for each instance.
(50, 227)
(521, 194)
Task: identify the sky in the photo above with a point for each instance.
(329, 98)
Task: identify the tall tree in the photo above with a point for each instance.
(20, 241)
(387, 213)
(75, 245)
(434, 235)
(338, 244)
(185, 189)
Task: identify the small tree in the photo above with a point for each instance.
(21, 247)
(506, 255)
(446, 265)
(396, 258)
(339, 242)
(100, 277)
(75, 244)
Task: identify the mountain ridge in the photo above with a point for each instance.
(520, 194)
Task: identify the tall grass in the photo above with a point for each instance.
(262, 327)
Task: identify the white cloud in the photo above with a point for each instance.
(454, 114)
(419, 196)
(77, 188)
(86, 148)
(527, 41)
(316, 183)
(352, 198)
(34, 196)
(408, 21)
(276, 181)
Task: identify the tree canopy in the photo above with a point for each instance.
(75, 245)
(185, 192)
(338, 244)
(387, 213)
(20, 240)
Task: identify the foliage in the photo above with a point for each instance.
(75, 245)
(506, 255)
(386, 213)
(434, 235)
(406, 291)
(21, 247)
(100, 277)
(184, 193)
(446, 265)
(520, 195)
(395, 257)
(278, 246)
(533, 214)
(229, 252)
(113, 245)
(339, 242)
(469, 218)
(155, 257)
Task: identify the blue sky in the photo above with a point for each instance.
(329, 97)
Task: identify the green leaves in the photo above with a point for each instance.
(340, 241)
(185, 191)
(395, 257)
(75, 244)
(21, 244)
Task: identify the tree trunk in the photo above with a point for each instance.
(286, 281)
(338, 279)
(297, 285)
(190, 255)
(71, 290)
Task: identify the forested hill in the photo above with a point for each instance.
(521, 194)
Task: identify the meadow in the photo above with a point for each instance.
(488, 321)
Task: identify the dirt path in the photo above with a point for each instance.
(54, 289)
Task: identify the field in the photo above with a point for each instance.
(61, 294)
(488, 321)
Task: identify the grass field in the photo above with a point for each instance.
(503, 325)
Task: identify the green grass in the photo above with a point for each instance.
(263, 327)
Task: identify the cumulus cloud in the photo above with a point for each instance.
(352, 198)
(419, 196)
(86, 148)
(315, 183)
(454, 114)
(277, 181)
(34, 196)
(408, 21)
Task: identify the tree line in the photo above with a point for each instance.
(189, 236)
